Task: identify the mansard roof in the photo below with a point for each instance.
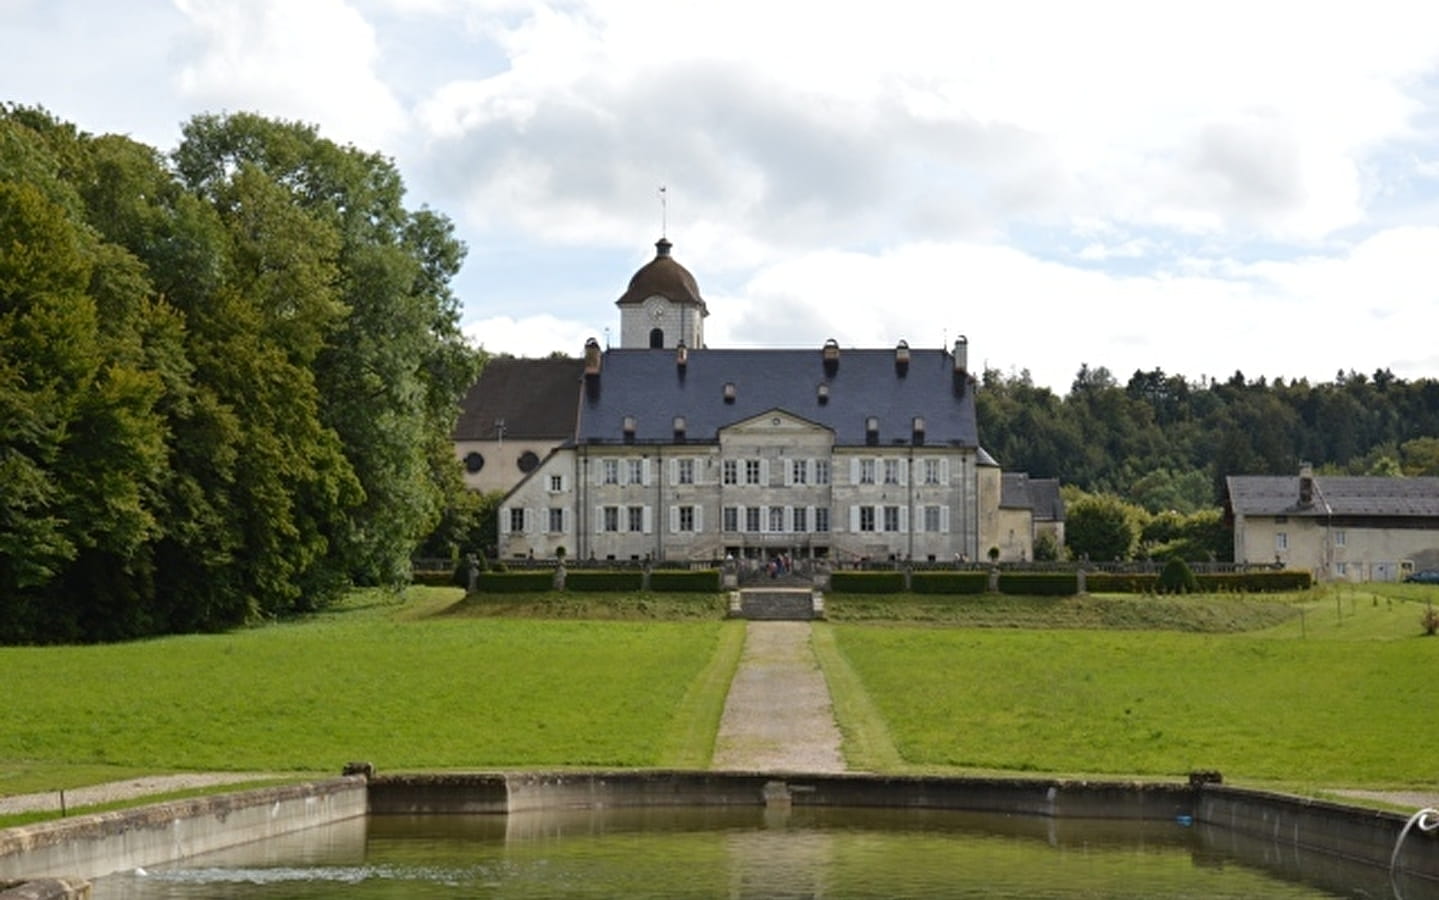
(1334, 495)
(536, 398)
(651, 387)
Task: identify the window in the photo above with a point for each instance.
(1339, 538)
(687, 518)
(821, 471)
(527, 462)
(866, 471)
(685, 471)
(731, 471)
(821, 519)
(891, 518)
(610, 518)
(611, 471)
(636, 518)
(799, 471)
(891, 471)
(931, 471)
(1281, 540)
(731, 518)
(866, 518)
(931, 518)
(517, 519)
(751, 518)
(1341, 568)
(474, 462)
(751, 471)
(557, 519)
(798, 520)
(776, 518)
(636, 471)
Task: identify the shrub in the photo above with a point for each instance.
(501, 582)
(431, 578)
(1255, 582)
(1120, 582)
(1048, 584)
(1177, 578)
(949, 582)
(702, 581)
(604, 580)
(867, 582)
(1429, 620)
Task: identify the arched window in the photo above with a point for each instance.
(657, 338)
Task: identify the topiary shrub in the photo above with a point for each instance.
(699, 581)
(867, 582)
(1044, 584)
(949, 582)
(1177, 578)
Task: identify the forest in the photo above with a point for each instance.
(228, 376)
(1144, 462)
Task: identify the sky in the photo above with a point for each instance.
(1200, 188)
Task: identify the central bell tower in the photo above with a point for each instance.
(662, 306)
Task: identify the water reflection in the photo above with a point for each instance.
(750, 852)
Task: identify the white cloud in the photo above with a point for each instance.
(312, 61)
(533, 336)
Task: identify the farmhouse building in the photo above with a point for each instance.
(663, 448)
(1339, 527)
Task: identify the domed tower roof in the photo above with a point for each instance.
(664, 277)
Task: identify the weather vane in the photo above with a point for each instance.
(664, 223)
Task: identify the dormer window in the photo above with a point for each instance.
(871, 430)
(629, 428)
(729, 392)
(680, 428)
(822, 394)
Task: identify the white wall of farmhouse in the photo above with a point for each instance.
(1338, 552)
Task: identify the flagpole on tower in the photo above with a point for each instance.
(664, 213)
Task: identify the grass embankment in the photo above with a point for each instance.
(402, 684)
(1337, 694)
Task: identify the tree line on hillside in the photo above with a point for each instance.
(228, 376)
(1144, 462)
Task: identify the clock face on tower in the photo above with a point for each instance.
(655, 307)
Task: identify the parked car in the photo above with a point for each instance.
(1424, 576)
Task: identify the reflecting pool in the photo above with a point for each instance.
(749, 852)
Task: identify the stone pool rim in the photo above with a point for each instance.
(67, 851)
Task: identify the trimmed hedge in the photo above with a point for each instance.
(431, 578)
(1039, 584)
(604, 580)
(1256, 582)
(514, 582)
(1121, 582)
(949, 582)
(703, 581)
(867, 582)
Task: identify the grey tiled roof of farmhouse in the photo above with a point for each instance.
(536, 398)
(1270, 495)
(648, 385)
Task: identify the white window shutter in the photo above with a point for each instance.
(904, 518)
(674, 519)
(944, 471)
(788, 465)
(854, 473)
(699, 518)
(504, 520)
(944, 519)
(674, 471)
(854, 519)
(648, 519)
(904, 465)
(599, 467)
(764, 472)
(527, 515)
(645, 472)
(599, 523)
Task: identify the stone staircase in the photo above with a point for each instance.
(777, 604)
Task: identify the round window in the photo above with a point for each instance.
(474, 462)
(528, 461)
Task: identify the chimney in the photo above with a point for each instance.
(831, 357)
(961, 365)
(1306, 484)
(593, 358)
(901, 359)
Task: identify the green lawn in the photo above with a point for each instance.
(376, 681)
(1342, 695)
(1329, 688)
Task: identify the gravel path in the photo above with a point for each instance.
(777, 716)
(115, 791)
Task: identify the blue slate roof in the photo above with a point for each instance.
(648, 385)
